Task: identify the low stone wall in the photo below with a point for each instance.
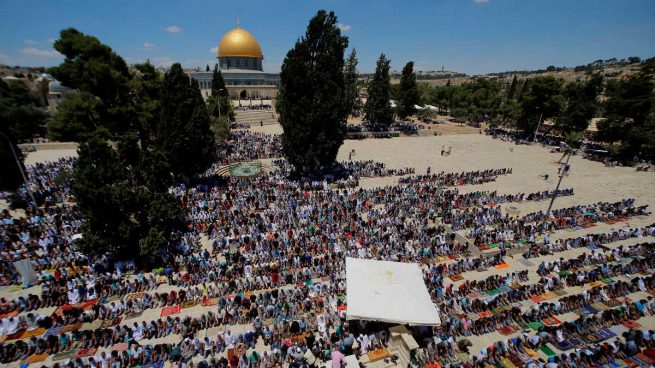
(29, 147)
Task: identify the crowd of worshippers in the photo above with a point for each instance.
(276, 262)
(509, 230)
(245, 145)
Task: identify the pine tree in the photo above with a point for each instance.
(311, 100)
(219, 102)
(408, 93)
(353, 105)
(378, 107)
(511, 92)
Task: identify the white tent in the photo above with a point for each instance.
(417, 107)
(432, 107)
(391, 292)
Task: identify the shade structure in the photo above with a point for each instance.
(392, 292)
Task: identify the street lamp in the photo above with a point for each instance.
(564, 169)
(20, 167)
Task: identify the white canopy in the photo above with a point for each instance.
(432, 107)
(391, 292)
(417, 107)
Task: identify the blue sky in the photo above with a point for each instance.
(471, 36)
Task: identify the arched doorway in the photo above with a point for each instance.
(243, 94)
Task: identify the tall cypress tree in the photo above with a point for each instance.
(511, 92)
(350, 75)
(219, 101)
(218, 83)
(184, 135)
(378, 107)
(311, 100)
(408, 94)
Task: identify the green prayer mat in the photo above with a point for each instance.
(547, 350)
(608, 281)
(493, 292)
(564, 273)
(64, 355)
(523, 325)
(536, 325)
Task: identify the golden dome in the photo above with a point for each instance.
(239, 42)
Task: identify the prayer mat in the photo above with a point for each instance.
(70, 328)
(106, 323)
(52, 331)
(64, 355)
(36, 358)
(167, 311)
(596, 284)
(551, 321)
(112, 298)
(209, 302)
(462, 357)
(515, 305)
(548, 295)
(525, 262)
(131, 316)
(523, 325)
(456, 277)
(600, 306)
(504, 289)
(120, 347)
(493, 292)
(632, 325)
(506, 330)
(612, 303)
(15, 336)
(188, 304)
(605, 333)
(608, 281)
(547, 350)
(592, 338)
(590, 309)
(379, 354)
(536, 298)
(531, 353)
(515, 359)
(10, 314)
(644, 358)
(474, 316)
(515, 285)
(485, 314)
(560, 292)
(564, 273)
(564, 345)
(91, 326)
(576, 342)
(86, 352)
(501, 266)
(536, 325)
(134, 296)
(473, 295)
(507, 363)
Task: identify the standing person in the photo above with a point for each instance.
(337, 357)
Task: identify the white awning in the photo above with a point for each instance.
(392, 292)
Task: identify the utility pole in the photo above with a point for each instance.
(20, 167)
(564, 170)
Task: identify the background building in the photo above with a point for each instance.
(240, 59)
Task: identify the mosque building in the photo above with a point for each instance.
(240, 60)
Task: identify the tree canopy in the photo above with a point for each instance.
(377, 108)
(311, 100)
(353, 104)
(408, 95)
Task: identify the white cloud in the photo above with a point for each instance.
(51, 40)
(173, 29)
(5, 59)
(480, 1)
(30, 42)
(40, 53)
(214, 50)
(148, 45)
(344, 27)
(165, 61)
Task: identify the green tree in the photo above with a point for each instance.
(378, 107)
(95, 68)
(543, 100)
(20, 119)
(581, 104)
(353, 104)
(78, 115)
(183, 134)
(219, 104)
(408, 96)
(630, 116)
(311, 100)
(511, 91)
(146, 86)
